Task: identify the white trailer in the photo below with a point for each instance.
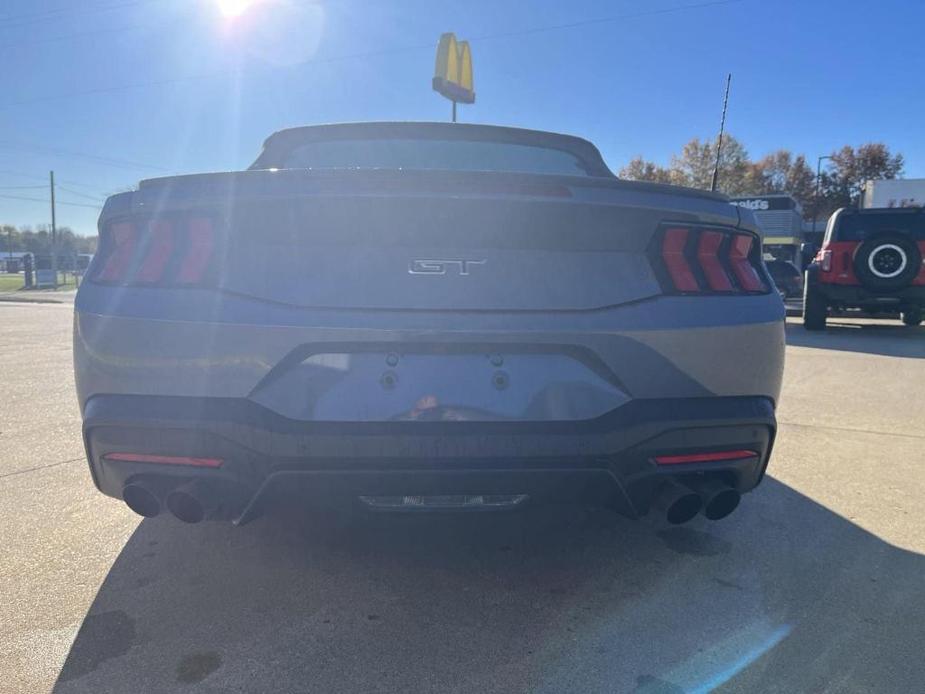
(899, 192)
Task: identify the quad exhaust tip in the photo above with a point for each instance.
(190, 502)
(141, 500)
(719, 499)
(680, 503)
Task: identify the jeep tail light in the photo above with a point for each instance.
(825, 260)
(698, 260)
(169, 251)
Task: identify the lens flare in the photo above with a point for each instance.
(233, 8)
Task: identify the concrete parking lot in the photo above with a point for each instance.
(817, 582)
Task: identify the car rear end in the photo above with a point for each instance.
(870, 260)
(427, 339)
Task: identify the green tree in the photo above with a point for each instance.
(693, 166)
(778, 172)
(782, 172)
(638, 169)
(849, 169)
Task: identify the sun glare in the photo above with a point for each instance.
(233, 8)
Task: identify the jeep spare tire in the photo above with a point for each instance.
(887, 262)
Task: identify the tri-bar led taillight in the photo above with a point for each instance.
(707, 260)
(174, 251)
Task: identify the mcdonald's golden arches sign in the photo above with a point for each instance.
(453, 72)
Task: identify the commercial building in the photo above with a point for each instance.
(781, 220)
(899, 192)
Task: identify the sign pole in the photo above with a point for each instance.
(454, 110)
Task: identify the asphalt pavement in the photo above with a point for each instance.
(816, 583)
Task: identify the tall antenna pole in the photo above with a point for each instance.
(719, 140)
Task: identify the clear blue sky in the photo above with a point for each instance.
(113, 79)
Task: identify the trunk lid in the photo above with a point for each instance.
(375, 239)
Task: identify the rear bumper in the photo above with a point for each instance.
(856, 296)
(606, 460)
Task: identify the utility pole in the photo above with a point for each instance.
(454, 110)
(719, 140)
(54, 231)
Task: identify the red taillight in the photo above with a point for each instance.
(673, 245)
(124, 240)
(160, 245)
(708, 257)
(164, 459)
(710, 457)
(705, 260)
(745, 272)
(825, 260)
(198, 253)
(165, 251)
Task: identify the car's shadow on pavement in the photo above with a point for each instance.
(889, 339)
(784, 595)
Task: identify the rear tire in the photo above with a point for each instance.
(815, 310)
(912, 316)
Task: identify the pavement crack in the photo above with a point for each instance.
(852, 430)
(40, 467)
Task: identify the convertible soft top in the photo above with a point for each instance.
(279, 144)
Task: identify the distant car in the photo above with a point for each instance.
(426, 316)
(871, 259)
(787, 278)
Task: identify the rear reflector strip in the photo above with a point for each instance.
(705, 457)
(164, 459)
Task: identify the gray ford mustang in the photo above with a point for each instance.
(426, 316)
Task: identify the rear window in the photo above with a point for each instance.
(857, 227)
(424, 154)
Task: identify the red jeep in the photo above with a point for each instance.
(871, 260)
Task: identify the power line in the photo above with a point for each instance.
(57, 151)
(21, 187)
(376, 53)
(45, 202)
(37, 17)
(79, 194)
(35, 177)
(85, 34)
